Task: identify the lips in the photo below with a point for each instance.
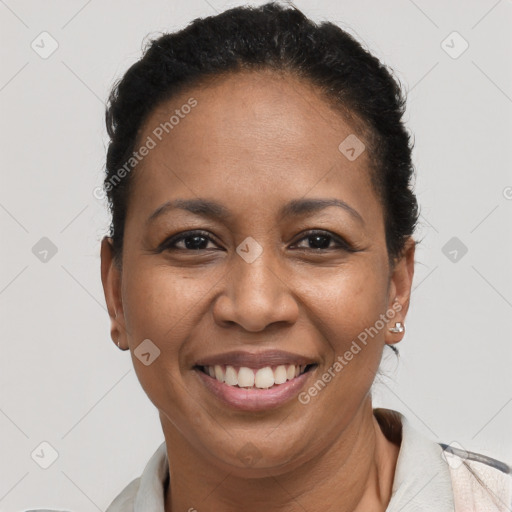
(253, 399)
(255, 371)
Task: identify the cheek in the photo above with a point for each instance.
(345, 301)
(161, 304)
(345, 308)
(160, 301)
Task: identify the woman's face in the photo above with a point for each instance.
(253, 288)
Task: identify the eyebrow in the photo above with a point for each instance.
(214, 210)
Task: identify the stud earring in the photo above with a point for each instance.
(399, 327)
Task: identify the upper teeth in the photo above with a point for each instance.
(262, 378)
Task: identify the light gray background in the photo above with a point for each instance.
(62, 380)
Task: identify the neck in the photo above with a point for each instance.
(353, 474)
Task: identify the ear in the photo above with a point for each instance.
(111, 280)
(400, 290)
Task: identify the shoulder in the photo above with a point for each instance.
(124, 502)
(457, 479)
(478, 480)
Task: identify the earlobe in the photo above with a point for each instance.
(397, 333)
(111, 281)
(395, 328)
(398, 328)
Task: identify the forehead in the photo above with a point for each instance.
(250, 138)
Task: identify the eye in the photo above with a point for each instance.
(198, 241)
(321, 241)
(193, 241)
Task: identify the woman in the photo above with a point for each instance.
(260, 259)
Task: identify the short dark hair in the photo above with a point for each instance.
(283, 39)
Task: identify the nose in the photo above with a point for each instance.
(255, 296)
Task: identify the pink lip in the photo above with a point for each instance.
(256, 359)
(254, 399)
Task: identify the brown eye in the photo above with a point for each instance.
(192, 241)
(321, 241)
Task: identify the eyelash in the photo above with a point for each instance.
(169, 244)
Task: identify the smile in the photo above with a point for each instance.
(257, 378)
(250, 381)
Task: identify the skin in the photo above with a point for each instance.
(255, 141)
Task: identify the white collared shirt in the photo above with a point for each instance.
(426, 477)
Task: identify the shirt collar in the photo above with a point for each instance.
(422, 479)
(150, 495)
